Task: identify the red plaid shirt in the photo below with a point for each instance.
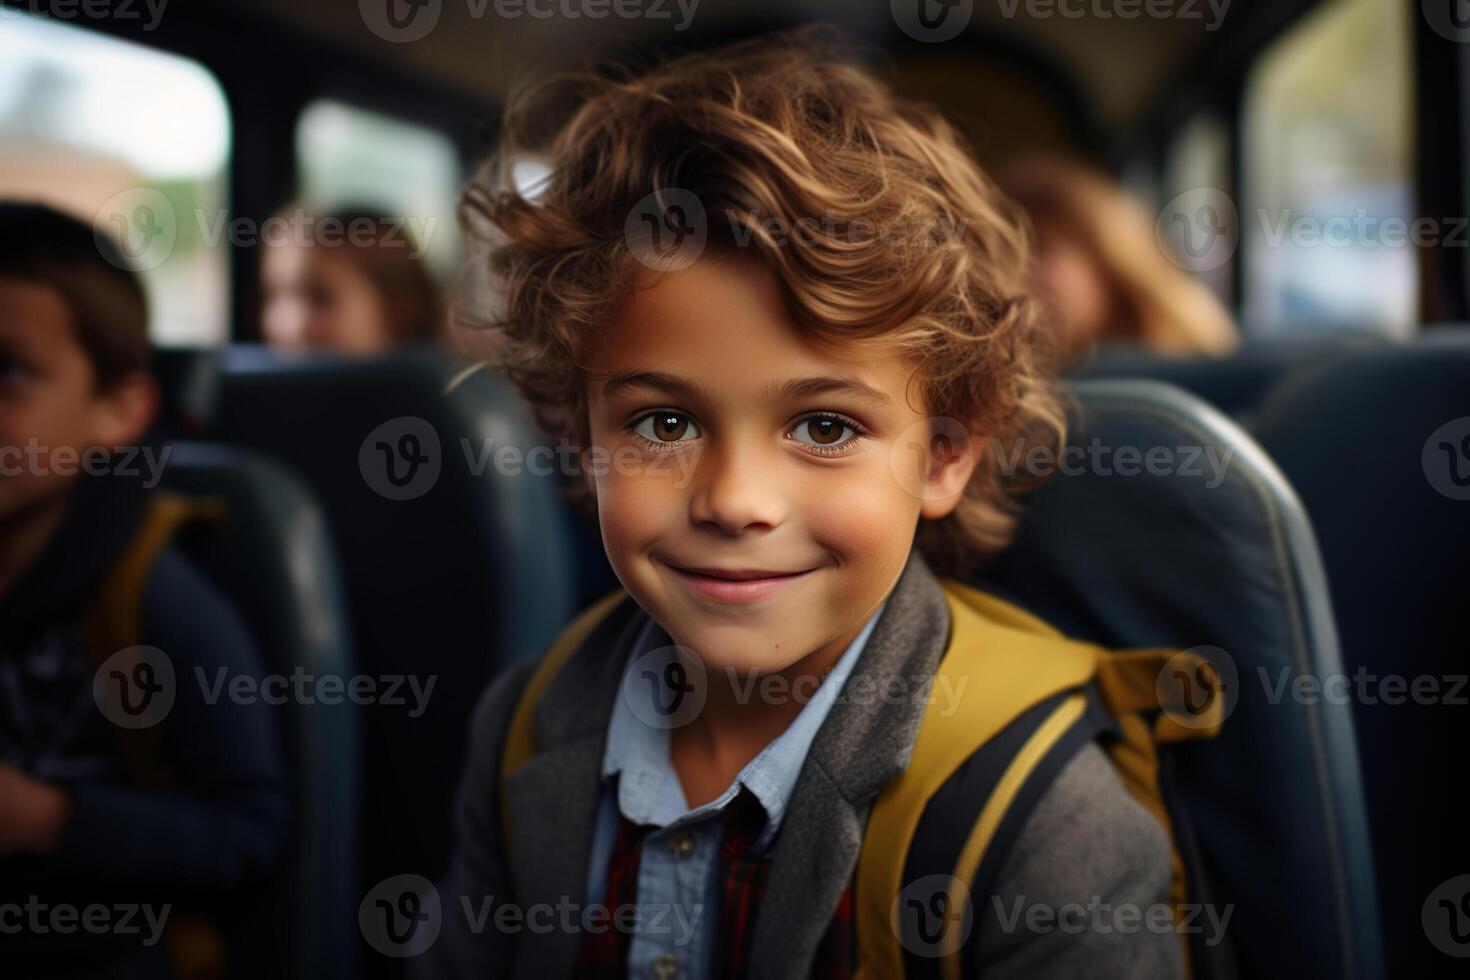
(742, 884)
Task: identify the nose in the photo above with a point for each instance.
(735, 492)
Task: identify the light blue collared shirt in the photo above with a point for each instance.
(678, 871)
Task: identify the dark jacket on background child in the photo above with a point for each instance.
(222, 818)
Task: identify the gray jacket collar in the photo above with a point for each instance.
(865, 741)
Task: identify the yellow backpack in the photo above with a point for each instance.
(196, 947)
(1028, 692)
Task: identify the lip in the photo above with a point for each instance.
(737, 585)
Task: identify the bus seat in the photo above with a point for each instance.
(273, 557)
(188, 380)
(1218, 555)
(1364, 442)
(1234, 384)
(449, 577)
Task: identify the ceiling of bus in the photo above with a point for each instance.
(1119, 63)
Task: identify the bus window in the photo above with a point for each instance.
(1327, 220)
(71, 135)
(348, 156)
(1198, 156)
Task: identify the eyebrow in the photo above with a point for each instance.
(795, 388)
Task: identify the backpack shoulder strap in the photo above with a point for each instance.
(112, 619)
(1024, 690)
(113, 624)
(113, 613)
(520, 736)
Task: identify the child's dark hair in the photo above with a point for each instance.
(917, 250)
(101, 291)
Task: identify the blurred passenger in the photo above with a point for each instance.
(106, 797)
(1101, 267)
(353, 282)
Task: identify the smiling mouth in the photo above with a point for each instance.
(737, 585)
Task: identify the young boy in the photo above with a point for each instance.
(93, 865)
(788, 369)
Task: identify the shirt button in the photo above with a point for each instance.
(681, 843)
(666, 967)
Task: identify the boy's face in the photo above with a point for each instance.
(737, 447)
(50, 409)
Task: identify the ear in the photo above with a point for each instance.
(124, 410)
(954, 452)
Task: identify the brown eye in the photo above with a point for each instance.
(824, 431)
(666, 427)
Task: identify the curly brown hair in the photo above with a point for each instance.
(903, 244)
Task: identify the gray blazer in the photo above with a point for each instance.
(1086, 842)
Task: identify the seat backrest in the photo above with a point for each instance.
(1378, 446)
(453, 555)
(272, 555)
(1236, 383)
(1165, 525)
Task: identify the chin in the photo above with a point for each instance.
(744, 647)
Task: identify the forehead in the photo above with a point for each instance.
(33, 314)
(722, 322)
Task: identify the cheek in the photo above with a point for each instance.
(860, 513)
(637, 502)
